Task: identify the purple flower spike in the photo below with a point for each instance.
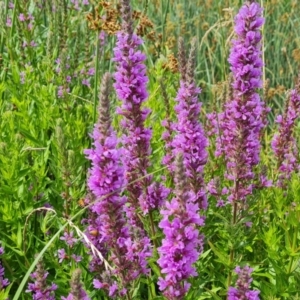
(39, 289)
(242, 120)
(242, 290)
(118, 240)
(284, 144)
(130, 85)
(131, 88)
(189, 137)
(182, 243)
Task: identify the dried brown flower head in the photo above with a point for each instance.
(171, 64)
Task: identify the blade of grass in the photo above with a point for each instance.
(96, 78)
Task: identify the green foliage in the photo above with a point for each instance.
(43, 135)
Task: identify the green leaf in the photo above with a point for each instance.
(16, 250)
(27, 134)
(267, 275)
(154, 268)
(223, 257)
(19, 236)
(6, 189)
(213, 294)
(5, 292)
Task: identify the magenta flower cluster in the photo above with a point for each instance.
(182, 243)
(144, 195)
(284, 144)
(186, 156)
(185, 139)
(242, 120)
(109, 229)
(130, 86)
(106, 181)
(190, 140)
(70, 240)
(242, 290)
(39, 288)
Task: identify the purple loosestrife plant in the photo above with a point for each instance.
(241, 122)
(108, 228)
(144, 195)
(242, 290)
(284, 144)
(182, 243)
(105, 176)
(39, 289)
(3, 281)
(170, 127)
(130, 85)
(189, 136)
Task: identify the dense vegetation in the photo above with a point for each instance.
(178, 181)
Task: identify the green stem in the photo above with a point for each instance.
(13, 22)
(231, 255)
(152, 229)
(151, 288)
(96, 77)
(2, 37)
(295, 233)
(164, 19)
